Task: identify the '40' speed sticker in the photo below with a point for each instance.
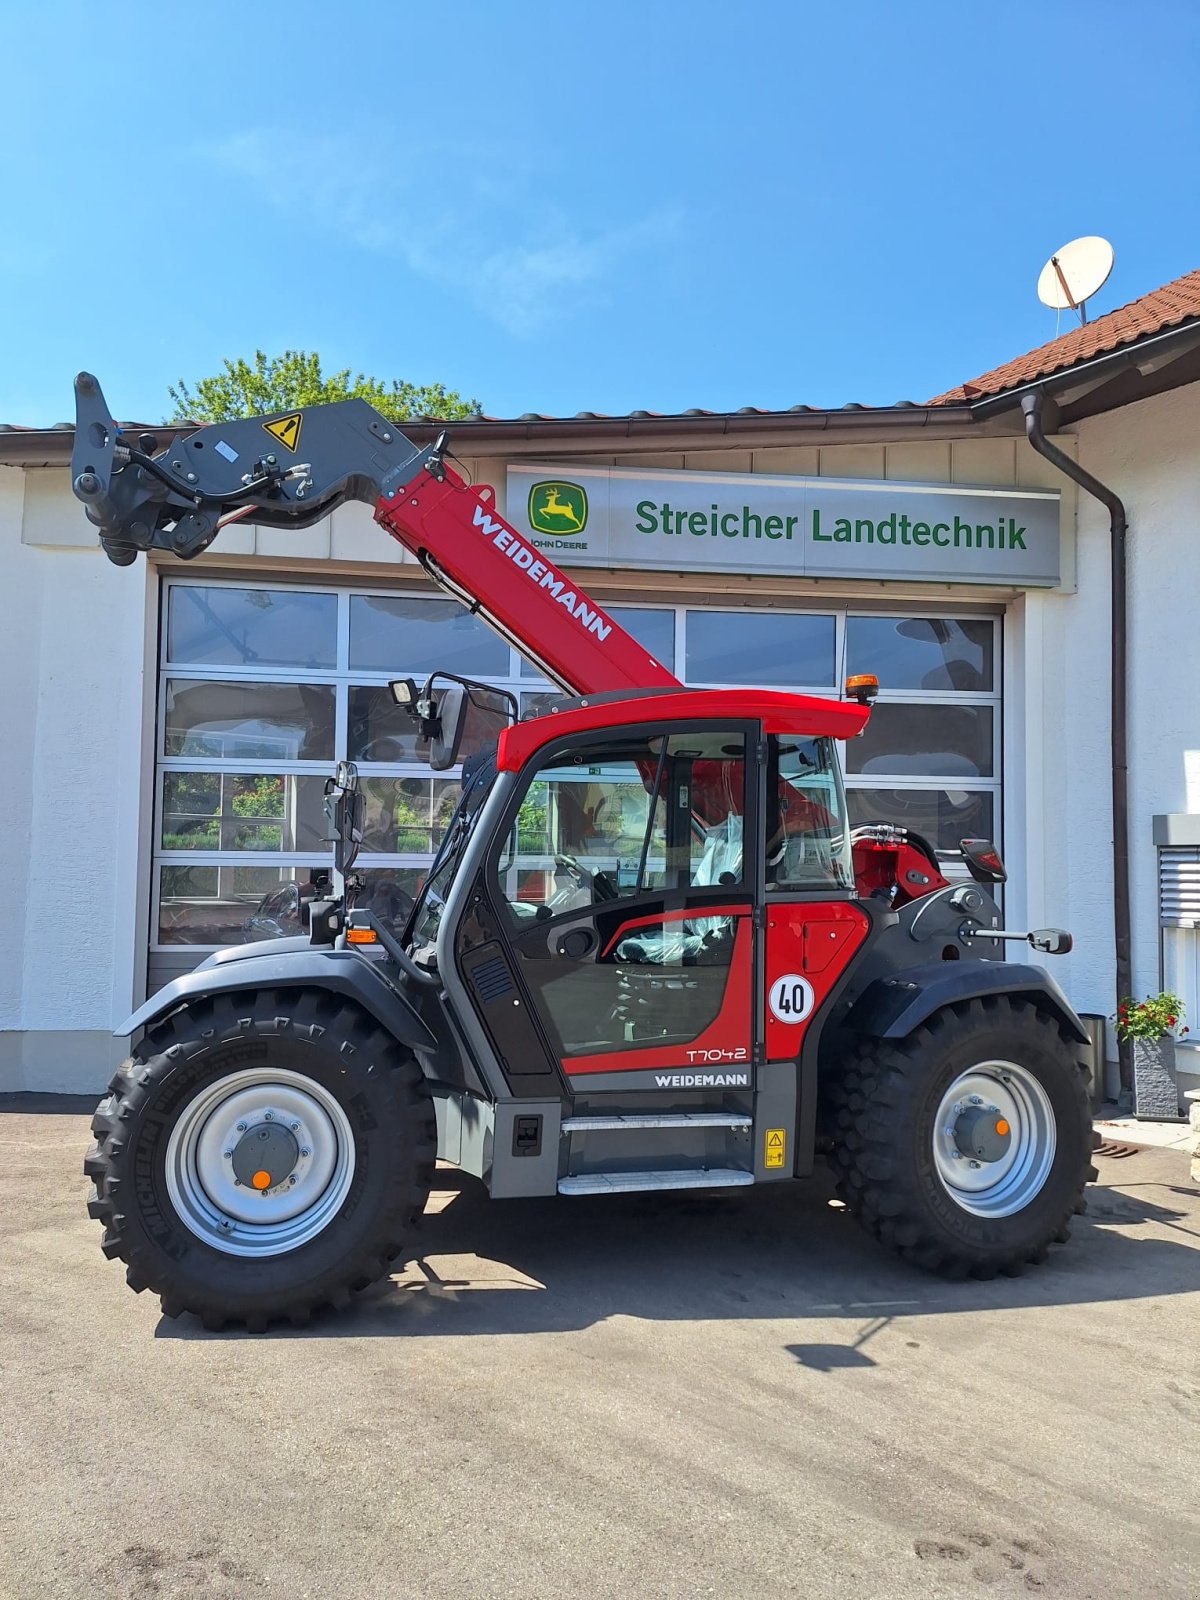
(791, 998)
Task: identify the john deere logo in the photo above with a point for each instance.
(558, 508)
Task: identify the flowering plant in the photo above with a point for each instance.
(1151, 1018)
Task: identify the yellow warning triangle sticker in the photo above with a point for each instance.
(286, 429)
(774, 1139)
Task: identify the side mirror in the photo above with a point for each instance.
(1051, 941)
(344, 812)
(451, 719)
(983, 861)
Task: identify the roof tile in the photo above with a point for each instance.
(1174, 303)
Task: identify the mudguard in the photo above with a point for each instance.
(291, 964)
(890, 1008)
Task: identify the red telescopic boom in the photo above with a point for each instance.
(468, 548)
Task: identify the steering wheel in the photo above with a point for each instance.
(569, 864)
(600, 885)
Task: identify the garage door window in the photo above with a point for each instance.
(930, 757)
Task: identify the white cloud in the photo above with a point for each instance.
(521, 261)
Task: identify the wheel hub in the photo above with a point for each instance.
(265, 1156)
(982, 1134)
(260, 1162)
(994, 1138)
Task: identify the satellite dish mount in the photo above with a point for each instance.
(1074, 273)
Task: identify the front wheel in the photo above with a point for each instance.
(965, 1147)
(260, 1156)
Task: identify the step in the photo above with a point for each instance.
(631, 1182)
(658, 1119)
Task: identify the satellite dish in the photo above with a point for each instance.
(1074, 273)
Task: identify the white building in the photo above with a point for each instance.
(168, 726)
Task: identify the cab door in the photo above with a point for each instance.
(625, 887)
(814, 923)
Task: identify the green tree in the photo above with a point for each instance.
(294, 379)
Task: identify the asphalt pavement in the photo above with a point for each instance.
(640, 1397)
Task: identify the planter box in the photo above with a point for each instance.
(1155, 1091)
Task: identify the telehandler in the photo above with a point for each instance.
(650, 953)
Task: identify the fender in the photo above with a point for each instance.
(298, 966)
(890, 1008)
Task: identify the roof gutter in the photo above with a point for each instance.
(1033, 406)
(44, 447)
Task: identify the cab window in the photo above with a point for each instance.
(612, 820)
(808, 839)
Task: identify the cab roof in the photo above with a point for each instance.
(777, 711)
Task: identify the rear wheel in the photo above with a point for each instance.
(260, 1156)
(965, 1147)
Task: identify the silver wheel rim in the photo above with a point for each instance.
(996, 1188)
(232, 1217)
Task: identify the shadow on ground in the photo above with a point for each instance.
(536, 1266)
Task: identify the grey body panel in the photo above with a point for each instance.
(265, 966)
(891, 1007)
(514, 1177)
(679, 1080)
(465, 1126)
(256, 948)
(479, 1138)
(775, 1107)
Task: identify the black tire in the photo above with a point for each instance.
(377, 1084)
(880, 1103)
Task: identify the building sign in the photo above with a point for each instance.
(802, 527)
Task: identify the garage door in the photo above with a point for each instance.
(263, 686)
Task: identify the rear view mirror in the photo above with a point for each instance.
(1051, 941)
(456, 722)
(451, 718)
(983, 861)
(344, 813)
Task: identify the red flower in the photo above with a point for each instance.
(1170, 1022)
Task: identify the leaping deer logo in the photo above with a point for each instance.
(549, 512)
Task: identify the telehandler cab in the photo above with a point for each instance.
(650, 953)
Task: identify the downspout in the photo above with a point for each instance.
(1033, 405)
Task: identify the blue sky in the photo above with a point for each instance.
(558, 207)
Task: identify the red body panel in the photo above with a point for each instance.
(779, 712)
(518, 589)
(727, 1038)
(878, 865)
(815, 942)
